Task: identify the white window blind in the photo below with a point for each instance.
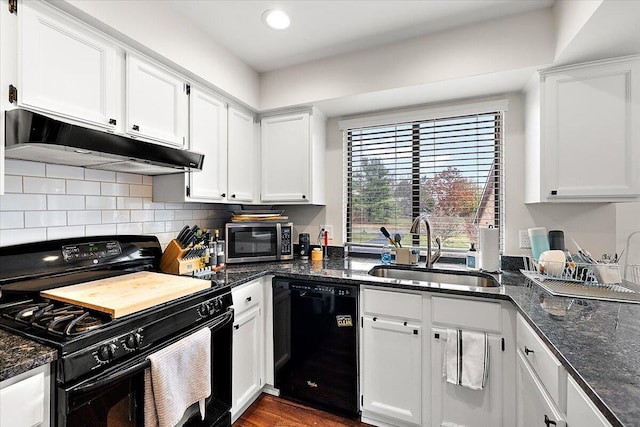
(449, 168)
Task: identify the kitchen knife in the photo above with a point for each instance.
(181, 235)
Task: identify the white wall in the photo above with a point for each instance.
(161, 32)
(479, 49)
(45, 202)
(592, 225)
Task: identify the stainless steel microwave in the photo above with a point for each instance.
(258, 241)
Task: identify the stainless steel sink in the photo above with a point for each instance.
(447, 277)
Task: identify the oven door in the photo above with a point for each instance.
(115, 398)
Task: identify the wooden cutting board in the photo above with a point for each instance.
(129, 293)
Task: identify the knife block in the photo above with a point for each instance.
(172, 262)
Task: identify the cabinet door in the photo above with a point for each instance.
(535, 407)
(66, 69)
(581, 411)
(247, 361)
(157, 103)
(591, 131)
(242, 157)
(285, 158)
(208, 125)
(25, 399)
(460, 406)
(392, 369)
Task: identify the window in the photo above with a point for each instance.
(449, 168)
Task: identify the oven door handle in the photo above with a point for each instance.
(128, 371)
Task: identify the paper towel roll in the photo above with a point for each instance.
(489, 255)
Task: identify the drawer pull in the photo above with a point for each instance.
(248, 299)
(527, 351)
(236, 326)
(548, 422)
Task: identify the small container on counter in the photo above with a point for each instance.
(472, 257)
(220, 255)
(316, 254)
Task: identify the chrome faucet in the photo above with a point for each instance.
(415, 229)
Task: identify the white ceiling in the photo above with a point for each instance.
(322, 28)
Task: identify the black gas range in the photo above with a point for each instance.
(101, 360)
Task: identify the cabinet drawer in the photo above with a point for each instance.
(581, 411)
(246, 296)
(467, 313)
(551, 373)
(390, 303)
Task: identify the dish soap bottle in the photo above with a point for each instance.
(385, 257)
(472, 258)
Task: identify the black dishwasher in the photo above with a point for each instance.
(315, 343)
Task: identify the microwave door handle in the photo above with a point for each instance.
(278, 240)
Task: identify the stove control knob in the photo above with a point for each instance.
(132, 342)
(204, 310)
(107, 352)
(217, 304)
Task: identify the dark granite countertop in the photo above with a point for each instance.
(598, 342)
(18, 355)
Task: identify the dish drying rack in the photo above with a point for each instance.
(600, 281)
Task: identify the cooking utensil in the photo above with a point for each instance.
(181, 235)
(397, 237)
(388, 236)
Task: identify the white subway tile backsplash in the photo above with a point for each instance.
(100, 230)
(70, 203)
(152, 227)
(45, 218)
(98, 175)
(129, 228)
(109, 217)
(128, 178)
(65, 232)
(164, 215)
(22, 235)
(60, 171)
(84, 217)
(129, 203)
(100, 202)
(12, 184)
(109, 189)
(184, 214)
(43, 185)
(23, 202)
(46, 201)
(23, 167)
(143, 216)
(140, 190)
(83, 187)
(11, 220)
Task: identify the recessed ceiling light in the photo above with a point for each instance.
(276, 19)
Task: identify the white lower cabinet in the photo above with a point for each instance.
(391, 357)
(392, 369)
(24, 399)
(581, 412)
(535, 407)
(455, 405)
(248, 346)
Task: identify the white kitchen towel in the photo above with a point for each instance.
(179, 376)
(466, 358)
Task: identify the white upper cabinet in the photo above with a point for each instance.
(156, 102)
(589, 136)
(66, 69)
(292, 158)
(242, 155)
(208, 135)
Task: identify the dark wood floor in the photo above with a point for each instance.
(271, 411)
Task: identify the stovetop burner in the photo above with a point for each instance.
(65, 320)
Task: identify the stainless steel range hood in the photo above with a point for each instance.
(32, 136)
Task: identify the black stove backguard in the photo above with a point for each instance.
(101, 360)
